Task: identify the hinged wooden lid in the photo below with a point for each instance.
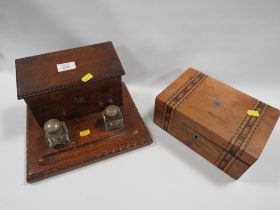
(63, 69)
(219, 113)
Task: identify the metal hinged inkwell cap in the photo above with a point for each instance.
(56, 132)
(112, 117)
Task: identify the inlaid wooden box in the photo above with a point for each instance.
(222, 124)
(51, 83)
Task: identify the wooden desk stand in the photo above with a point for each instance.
(43, 161)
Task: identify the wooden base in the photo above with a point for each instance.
(43, 161)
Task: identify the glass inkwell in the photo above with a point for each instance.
(56, 133)
(112, 117)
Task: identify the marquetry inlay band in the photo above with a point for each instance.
(180, 95)
(241, 138)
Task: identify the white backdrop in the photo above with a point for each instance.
(235, 41)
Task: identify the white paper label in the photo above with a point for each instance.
(65, 66)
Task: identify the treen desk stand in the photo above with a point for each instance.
(78, 109)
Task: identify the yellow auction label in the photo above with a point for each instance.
(84, 133)
(87, 77)
(253, 113)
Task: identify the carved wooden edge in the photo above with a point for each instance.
(91, 158)
(179, 96)
(75, 150)
(73, 84)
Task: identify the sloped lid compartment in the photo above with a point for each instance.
(40, 74)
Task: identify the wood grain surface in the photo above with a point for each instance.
(43, 161)
(211, 118)
(62, 95)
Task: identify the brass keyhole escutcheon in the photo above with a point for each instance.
(196, 137)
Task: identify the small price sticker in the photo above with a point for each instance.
(65, 66)
(253, 113)
(87, 77)
(85, 133)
